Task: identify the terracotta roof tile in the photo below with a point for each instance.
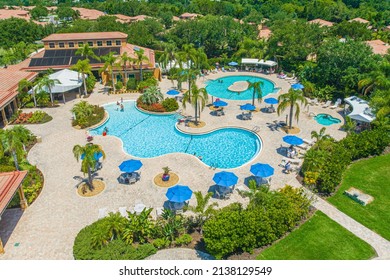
(358, 19)
(321, 22)
(6, 14)
(378, 47)
(9, 183)
(90, 14)
(85, 36)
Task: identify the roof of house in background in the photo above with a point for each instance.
(9, 183)
(358, 19)
(189, 16)
(264, 32)
(378, 46)
(321, 22)
(90, 14)
(6, 14)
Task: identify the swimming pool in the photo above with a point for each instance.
(219, 87)
(326, 120)
(146, 136)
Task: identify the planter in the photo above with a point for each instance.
(165, 177)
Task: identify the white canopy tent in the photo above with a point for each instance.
(254, 62)
(361, 111)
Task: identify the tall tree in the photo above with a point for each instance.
(87, 52)
(46, 84)
(125, 59)
(24, 86)
(109, 66)
(139, 59)
(291, 100)
(83, 68)
(198, 99)
(257, 92)
(89, 160)
(168, 56)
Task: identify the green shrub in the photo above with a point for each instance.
(170, 104)
(147, 83)
(7, 168)
(39, 117)
(184, 239)
(156, 107)
(87, 114)
(118, 85)
(90, 81)
(131, 84)
(29, 105)
(161, 243)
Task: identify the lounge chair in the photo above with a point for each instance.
(123, 211)
(308, 142)
(336, 104)
(102, 213)
(159, 211)
(314, 102)
(327, 104)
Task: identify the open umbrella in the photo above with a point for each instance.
(271, 100)
(292, 140)
(220, 103)
(97, 156)
(233, 63)
(262, 170)
(225, 179)
(173, 92)
(130, 165)
(297, 86)
(248, 107)
(179, 193)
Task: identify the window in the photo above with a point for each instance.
(131, 76)
(100, 43)
(71, 45)
(80, 44)
(52, 45)
(90, 44)
(61, 44)
(118, 42)
(109, 43)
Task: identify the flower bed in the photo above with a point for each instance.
(32, 118)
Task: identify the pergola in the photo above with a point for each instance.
(10, 183)
(361, 112)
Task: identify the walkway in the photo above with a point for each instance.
(180, 254)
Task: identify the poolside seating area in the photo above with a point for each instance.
(129, 178)
(246, 116)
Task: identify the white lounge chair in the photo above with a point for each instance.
(336, 104)
(314, 102)
(102, 213)
(327, 104)
(308, 142)
(123, 211)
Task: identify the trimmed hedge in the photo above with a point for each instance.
(170, 104)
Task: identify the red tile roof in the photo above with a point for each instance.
(189, 16)
(85, 36)
(378, 47)
(6, 14)
(361, 20)
(264, 32)
(90, 14)
(321, 22)
(10, 78)
(9, 183)
(129, 48)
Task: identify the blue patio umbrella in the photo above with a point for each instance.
(130, 165)
(262, 170)
(233, 63)
(271, 100)
(179, 193)
(297, 86)
(173, 92)
(292, 140)
(220, 103)
(225, 179)
(248, 107)
(97, 156)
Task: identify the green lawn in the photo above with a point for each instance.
(372, 177)
(320, 238)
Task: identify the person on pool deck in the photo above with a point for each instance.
(287, 167)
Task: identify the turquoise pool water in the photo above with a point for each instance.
(326, 120)
(220, 89)
(145, 136)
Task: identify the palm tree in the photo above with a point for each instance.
(152, 95)
(257, 92)
(349, 126)
(89, 161)
(379, 78)
(82, 110)
(109, 65)
(187, 55)
(201, 60)
(291, 100)
(23, 87)
(87, 52)
(46, 83)
(198, 99)
(192, 74)
(124, 60)
(203, 209)
(320, 135)
(140, 58)
(13, 141)
(169, 54)
(84, 68)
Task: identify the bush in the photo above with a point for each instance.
(156, 107)
(185, 239)
(7, 168)
(161, 243)
(118, 85)
(170, 104)
(147, 83)
(90, 81)
(86, 114)
(131, 84)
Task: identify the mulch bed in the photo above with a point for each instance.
(98, 187)
(200, 124)
(173, 180)
(293, 130)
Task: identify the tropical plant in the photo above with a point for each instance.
(109, 66)
(87, 52)
(170, 104)
(171, 225)
(152, 95)
(166, 170)
(257, 92)
(320, 135)
(169, 55)
(124, 60)
(84, 68)
(291, 100)
(198, 99)
(89, 160)
(24, 86)
(379, 78)
(349, 125)
(203, 209)
(139, 227)
(139, 59)
(46, 83)
(13, 141)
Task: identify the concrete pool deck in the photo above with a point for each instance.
(47, 229)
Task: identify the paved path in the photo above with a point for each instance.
(180, 254)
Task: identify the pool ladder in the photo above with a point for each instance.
(255, 129)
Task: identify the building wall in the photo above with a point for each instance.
(95, 43)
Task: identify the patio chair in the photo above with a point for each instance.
(123, 211)
(314, 102)
(336, 104)
(308, 142)
(327, 104)
(102, 213)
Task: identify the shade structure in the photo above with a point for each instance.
(130, 165)
(271, 100)
(248, 107)
(225, 179)
(233, 63)
(173, 92)
(297, 86)
(179, 193)
(220, 103)
(97, 156)
(293, 140)
(262, 170)
(64, 80)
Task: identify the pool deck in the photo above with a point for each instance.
(47, 229)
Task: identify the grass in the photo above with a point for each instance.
(372, 177)
(320, 238)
